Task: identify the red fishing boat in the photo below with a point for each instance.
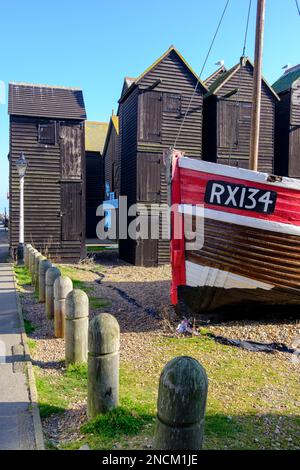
(247, 228)
(246, 225)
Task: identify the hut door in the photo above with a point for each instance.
(70, 139)
(150, 114)
(71, 196)
(71, 150)
(148, 174)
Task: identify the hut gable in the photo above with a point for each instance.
(227, 119)
(47, 124)
(214, 76)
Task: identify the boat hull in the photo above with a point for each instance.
(241, 257)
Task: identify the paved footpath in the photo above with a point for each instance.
(16, 418)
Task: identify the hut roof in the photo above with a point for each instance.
(136, 81)
(28, 99)
(113, 123)
(210, 80)
(95, 135)
(285, 82)
(224, 77)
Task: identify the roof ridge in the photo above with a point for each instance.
(44, 86)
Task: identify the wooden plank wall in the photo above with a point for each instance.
(112, 162)
(42, 192)
(94, 190)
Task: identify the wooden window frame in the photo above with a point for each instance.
(48, 141)
(168, 96)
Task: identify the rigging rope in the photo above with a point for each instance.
(200, 74)
(298, 7)
(247, 27)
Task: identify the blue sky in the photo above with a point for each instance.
(95, 43)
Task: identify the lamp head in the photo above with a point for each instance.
(21, 165)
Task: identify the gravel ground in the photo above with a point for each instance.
(140, 301)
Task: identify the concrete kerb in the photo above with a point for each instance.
(37, 424)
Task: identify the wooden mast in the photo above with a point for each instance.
(256, 100)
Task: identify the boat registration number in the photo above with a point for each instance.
(238, 196)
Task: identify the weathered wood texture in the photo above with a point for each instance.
(76, 327)
(103, 364)
(94, 190)
(181, 405)
(111, 157)
(54, 149)
(62, 287)
(43, 267)
(149, 123)
(227, 122)
(51, 274)
(287, 136)
(273, 258)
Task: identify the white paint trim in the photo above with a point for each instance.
(237, 219)
(238, 173)
(198, 275)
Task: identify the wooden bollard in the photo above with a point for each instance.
(62, 286)
(103, 364)
(51, 275)
(32, 251)
(38, 260)
(43, 267)
(181, 405)
(34, 266)
(76, 327)
(26, 254)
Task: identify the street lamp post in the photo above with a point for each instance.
(21, 165)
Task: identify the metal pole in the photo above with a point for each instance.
(257, 77)
(21, 227)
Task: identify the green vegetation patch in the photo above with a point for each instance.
(23, 275)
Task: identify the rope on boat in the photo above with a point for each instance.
(200, 74)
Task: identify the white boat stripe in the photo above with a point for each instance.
(237, 173)
(198, 275)
(237, 219)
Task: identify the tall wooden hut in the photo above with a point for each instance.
(111, 157)
(151, 111)
(95, 135)
(227, 119)
(287, 135)
(47, 124)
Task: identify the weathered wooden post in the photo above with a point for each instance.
(43, 267)
(31, 252)
(38, 260)
(51, 275)
(76, 327)
(31, 256)
(181, 405)
(103, 364)
(62, 286)
(26, 254)
(34, 266)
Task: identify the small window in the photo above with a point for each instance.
(47, 133)
(172, 103)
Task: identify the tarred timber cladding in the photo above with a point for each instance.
(128, 155)
(94, 190)
(176, 79)
(153, 119)
(43, 210)
(45, 101)
(112, 161)
(288, 132)
(237, 153)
